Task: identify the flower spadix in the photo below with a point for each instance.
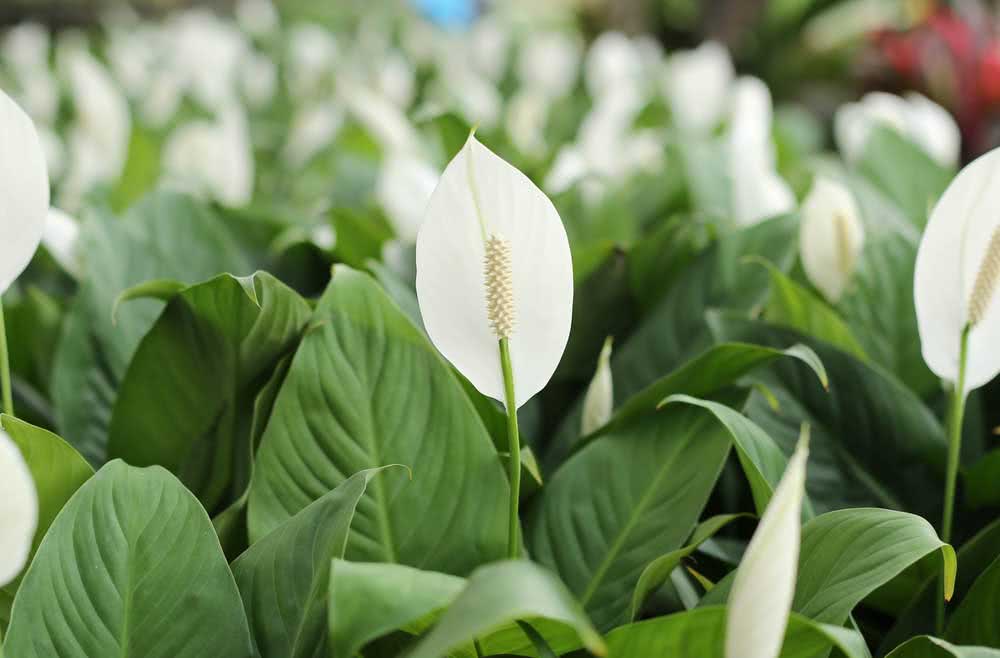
(493, 262)
(957, 275)
(764, 586)
(24, 191)
(831, 237)
(18, 510)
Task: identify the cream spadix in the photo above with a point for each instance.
(493, 262)
(764, 586)
(18, 510)
(24, 191)
(956, 276)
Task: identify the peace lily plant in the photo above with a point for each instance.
(495, 285)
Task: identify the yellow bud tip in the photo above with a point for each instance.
(499, 279)
(986, 281)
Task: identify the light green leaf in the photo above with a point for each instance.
(926, 646)
(284, 578)
(366, 388)
(977, 619)
(501, 594)
(219, 340)
(131, 567)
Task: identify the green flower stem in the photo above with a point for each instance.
(514, 439)
(956, 413)
(8, 396)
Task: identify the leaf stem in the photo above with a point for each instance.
(956, 413)
(514, 441)
(8, 396)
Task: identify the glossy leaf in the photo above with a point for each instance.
(926, 646)
(977, 619)
(129, 550)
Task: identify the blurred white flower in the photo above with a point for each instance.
(133, 52)
(257, 18)
(312, 55)
(207, 52)
(831, 237)
(404, 186)
(761, 597)
(26, 47)
(258, 79)
(38, 93)
(163, 98)
(758, 191)
(474, 95)
(60, 239)
(490, 42)
(397, 79)
(98, 140)
(55, 152)
(599, 401)
(957, 275)
(696, 85)
(312, 129)
(527, 115)
(213, 158)
(18, 510)
(549, 63)
(613, 63)
(485, 213)
(24, 192)
(915, 117)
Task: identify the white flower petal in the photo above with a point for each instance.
(24, 191)
(762, 592)
(697, 84)
(599, 401)
(758, 193)
(613, 63)
(750, 123)
(18, 510)
(213, 158)
(934, 129)
(480, 195)
(831, 237)
(60, 239)
(955, 242)
(404, 186)
(549, 63)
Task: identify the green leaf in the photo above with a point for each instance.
(284, 578)
(220, 338)
(904, 172)
(864, 416)
(791, 305)
(700, 633)
(501, 594)
(131, 567)
(369, 600)
(366, 388)
(982, 481)
(760, 457)
(360, 235)
(977, 619)
(847, 554)
(655, 475)
(658, 571)
(660, 259)
(58, 471)
(165, 236)
(926, 646)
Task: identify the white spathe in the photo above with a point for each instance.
(24, 191)
(914, 116)
(961, 238)
(697, 84)
(761, 597)
(60, 239)
(549, 63)
(480, 196)
(405, 184)
(18, 510)
(613, 63)
(214, 158)
(831, 237)
(599, 401)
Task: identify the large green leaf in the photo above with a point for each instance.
(58, 471)
(131, 567)
(365, 389)
(623, 500)
(873, 440)
(675, 330)
(368, 600)
(700, 633)
(284, 578)
(499, 595)
(165, 236)
(190, 388)
(932, 647)
(847, 554)
(977, 619)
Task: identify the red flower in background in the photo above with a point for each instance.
(954, 58)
